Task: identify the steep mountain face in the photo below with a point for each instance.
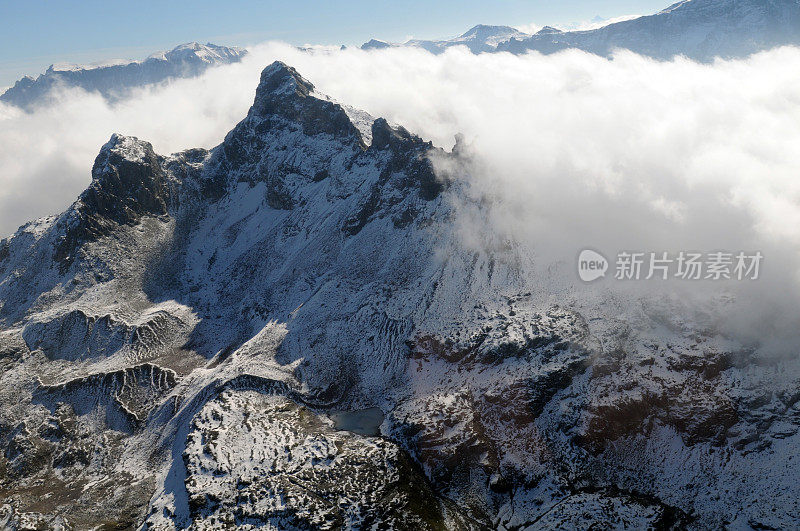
(179, 348)
(479, 39)
(699, 29)
(114, 80)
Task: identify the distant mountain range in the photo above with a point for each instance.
(698, 29)
(114, 79)
(480, 38)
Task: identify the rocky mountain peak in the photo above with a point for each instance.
(281, 79)
(284, 94)
(125, 147)
(127, 181)
(375, 44)
(484, 31)
(385, 136)
(127, 184)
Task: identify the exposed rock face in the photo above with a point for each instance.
(172, 349)
(282, 93)
(116, 79)
(127, 184)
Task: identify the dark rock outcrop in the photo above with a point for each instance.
(128, 183)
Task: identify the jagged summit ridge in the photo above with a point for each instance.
(287, 105)
(284, 94)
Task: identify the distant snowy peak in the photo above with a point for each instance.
(548, 30)
(211, 54)
(375, 44)
(488, 35)
(480, 38)
(113, 79)
(207, 53)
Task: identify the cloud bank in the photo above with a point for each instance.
(575, 151)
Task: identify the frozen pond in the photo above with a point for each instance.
(362, 421)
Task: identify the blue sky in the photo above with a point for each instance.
(36, 33)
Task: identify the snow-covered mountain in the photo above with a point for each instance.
(480, 38)
(289, 331)
(699, 29)
(113, 79)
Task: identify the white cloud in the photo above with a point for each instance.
(46, 156)
(529, 28)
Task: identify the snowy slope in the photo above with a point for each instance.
(113, 78)
(176, 346)
(699, 29)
